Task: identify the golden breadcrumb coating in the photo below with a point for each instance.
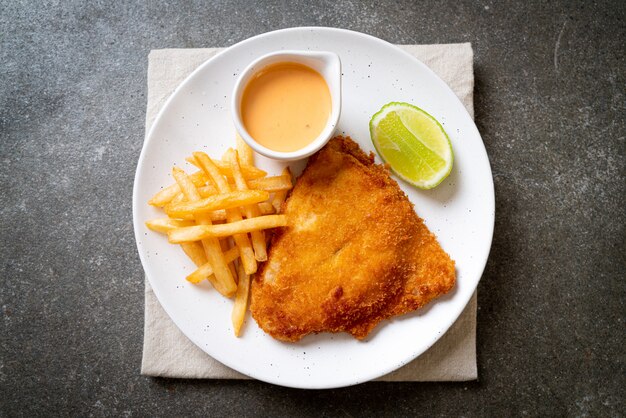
(353, 254)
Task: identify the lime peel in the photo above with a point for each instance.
(413, 143)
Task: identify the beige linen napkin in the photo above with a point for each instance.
(166, 350)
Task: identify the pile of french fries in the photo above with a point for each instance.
(220, 216)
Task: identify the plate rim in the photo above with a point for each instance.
(346, 381)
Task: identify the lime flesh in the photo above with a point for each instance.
(413, 143)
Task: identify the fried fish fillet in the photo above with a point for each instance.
(353, 254)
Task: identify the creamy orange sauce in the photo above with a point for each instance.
(285, 106)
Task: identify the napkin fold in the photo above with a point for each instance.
(167, 352)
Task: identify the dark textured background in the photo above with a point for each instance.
(550, 102)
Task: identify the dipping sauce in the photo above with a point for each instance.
(285, 106)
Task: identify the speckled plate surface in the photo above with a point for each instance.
(460, 211)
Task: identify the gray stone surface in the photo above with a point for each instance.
(550, 98)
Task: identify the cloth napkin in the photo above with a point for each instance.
(166, 350)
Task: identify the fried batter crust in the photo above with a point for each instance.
(353, 254)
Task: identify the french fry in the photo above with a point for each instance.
(281, 195)
(271, 184)
(233, 269)
(165, 224)
(241, 200)
(205, 270)
(266, 208)
(258, 182)
(180, 197)
(249, 172)
(227, 244)
(220, 215)
(166, 195)
(195, 251)
(207, 190)
(189, 217)
(219, 201)
(246, 252)
(199, 232)
(250, 211)
(245, 153)
(177, 199)
(223, 280)
(241, 300)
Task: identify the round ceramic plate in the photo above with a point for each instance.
(460, 211)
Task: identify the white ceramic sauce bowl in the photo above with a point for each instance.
(327, 64)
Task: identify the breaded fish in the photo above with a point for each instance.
(353, 254)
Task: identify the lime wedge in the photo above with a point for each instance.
(413, 143)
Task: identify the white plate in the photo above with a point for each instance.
(460, 211)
